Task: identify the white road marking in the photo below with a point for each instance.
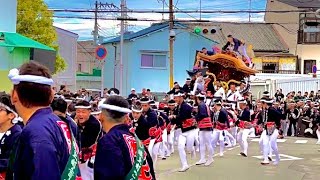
(301, 141)
(278, 140)
(283, 157)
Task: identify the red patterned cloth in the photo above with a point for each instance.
(221, 126)
(188, 123)
(88, 153)
(205, 123)
(245, 124)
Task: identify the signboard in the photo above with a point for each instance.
(101, 52)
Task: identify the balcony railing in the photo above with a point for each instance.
(308, 38)
(279, 71)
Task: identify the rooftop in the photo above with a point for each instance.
(152, 28)
(261, 36)
(302, 3)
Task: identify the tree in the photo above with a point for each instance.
(36, 22)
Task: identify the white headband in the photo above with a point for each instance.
(16, 78)
(82, 107)
(114, 108)
(201, 95)
(8, 109)
(178, 95)
(96, 113)
(136, 110)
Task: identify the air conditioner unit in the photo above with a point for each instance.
(311, 29)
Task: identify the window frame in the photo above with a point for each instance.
(153, 56)
(304, 37)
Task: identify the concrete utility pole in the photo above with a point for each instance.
(171, 40)
(250, 10)
(98, 7)
(123, 28)
(95, 31)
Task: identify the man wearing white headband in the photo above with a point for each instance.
(46, 143)
(139, 124)
(186, 139)
(271, 119)
(205, 125)
(9, 131)
(90, 130)
(244, 123)
(155, 131)
(120, 154)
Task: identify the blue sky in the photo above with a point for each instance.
(111, 28)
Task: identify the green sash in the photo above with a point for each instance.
(136, 167)
(71, 169)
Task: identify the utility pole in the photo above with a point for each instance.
(171, 40)
(98, 7)
(250, 10)
(95, 31)
(122, 29)
(200, 9)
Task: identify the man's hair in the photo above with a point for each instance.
(119, 101)
(5, 99)
(34, 94)
(204, 48)
(83, 103)
(62, 87)
(229, 36)
(58, 104)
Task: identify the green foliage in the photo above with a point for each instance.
(36, 22)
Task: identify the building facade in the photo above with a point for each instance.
(146, 58)
(88, 67)
(68, 50)
(300, 31)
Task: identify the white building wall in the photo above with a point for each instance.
(68, 50)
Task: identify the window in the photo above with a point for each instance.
(309, 29)
(270, 67)
(157, 61)
(79, 68)
(308, 64)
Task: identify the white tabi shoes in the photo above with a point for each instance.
(209, 162)
(201, 162)
(184, 169)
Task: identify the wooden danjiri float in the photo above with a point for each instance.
(225, 67)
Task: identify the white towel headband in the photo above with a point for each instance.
(8, 109)
(16, 78)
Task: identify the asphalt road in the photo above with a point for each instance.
(300, 160)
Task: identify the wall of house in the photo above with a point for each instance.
(68, 50)
(157, 80)
(8, 16)
(86, 56)
(9, 60)
(286, 24)
(308, 52)
(285, 63)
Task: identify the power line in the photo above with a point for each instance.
(183, 11)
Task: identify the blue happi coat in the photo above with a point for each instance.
(42, 152)
(115, 156)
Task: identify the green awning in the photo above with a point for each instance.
(17, 40)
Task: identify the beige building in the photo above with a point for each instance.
(296, 31)
(68, 50)
(88, 68)
(86, 60)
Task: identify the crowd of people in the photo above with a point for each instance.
(57, 134)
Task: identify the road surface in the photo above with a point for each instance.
(300, 160)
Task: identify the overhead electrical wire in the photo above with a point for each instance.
(183, 11)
